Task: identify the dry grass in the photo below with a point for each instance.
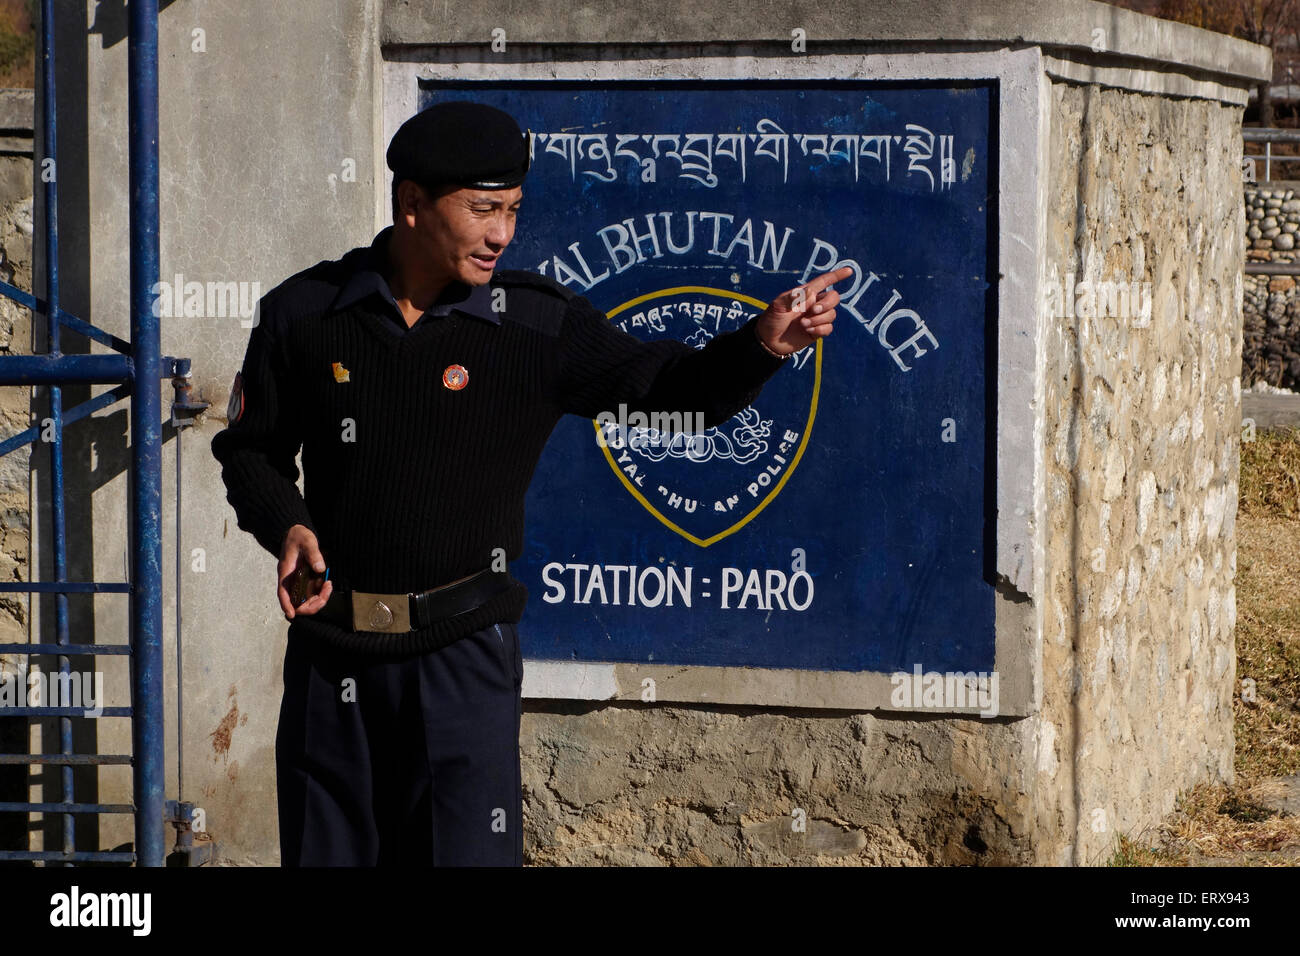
(18, 43)
(1270, 476)
(1230, 824)
(1268, 646)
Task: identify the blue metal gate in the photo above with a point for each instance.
(136, 363)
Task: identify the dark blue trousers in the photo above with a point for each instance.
(412, 761)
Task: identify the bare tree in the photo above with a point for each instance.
(1222, 16)
(1266, 22)
(1272, 23)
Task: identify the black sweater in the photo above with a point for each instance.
(410, 484)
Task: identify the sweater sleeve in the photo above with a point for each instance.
(261, 439)
(602, 366)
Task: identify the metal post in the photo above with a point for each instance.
(146, 436)
(58, 530)
(180, 670)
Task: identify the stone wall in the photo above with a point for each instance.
(1271, 308)
(15, 416)
(1143, 421)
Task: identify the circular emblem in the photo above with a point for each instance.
(235, 407)
(705, 482)
(380, 615)
(455, 377)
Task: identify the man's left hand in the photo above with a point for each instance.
(806, 313)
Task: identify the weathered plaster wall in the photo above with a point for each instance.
(267, 157)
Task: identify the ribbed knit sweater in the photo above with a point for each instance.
(410, 484)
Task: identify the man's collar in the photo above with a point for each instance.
(368, 278)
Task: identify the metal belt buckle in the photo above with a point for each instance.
(386, 613)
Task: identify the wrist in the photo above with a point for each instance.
(766, 348)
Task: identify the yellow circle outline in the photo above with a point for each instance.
(794, 462)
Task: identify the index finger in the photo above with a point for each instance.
(828, 278)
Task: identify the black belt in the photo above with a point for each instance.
(401, 613)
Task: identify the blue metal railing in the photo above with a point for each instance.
(146, 429)
(137, 372)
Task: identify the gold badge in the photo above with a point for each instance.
(455, 377)
(340, 373)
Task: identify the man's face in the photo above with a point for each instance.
(462, 232)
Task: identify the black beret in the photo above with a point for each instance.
(460, 143)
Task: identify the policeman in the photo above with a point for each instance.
(421, 382)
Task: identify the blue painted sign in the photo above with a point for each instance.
(843, 520)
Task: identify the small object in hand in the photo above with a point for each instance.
(299, 584)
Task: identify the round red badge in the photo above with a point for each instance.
(455, 377)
